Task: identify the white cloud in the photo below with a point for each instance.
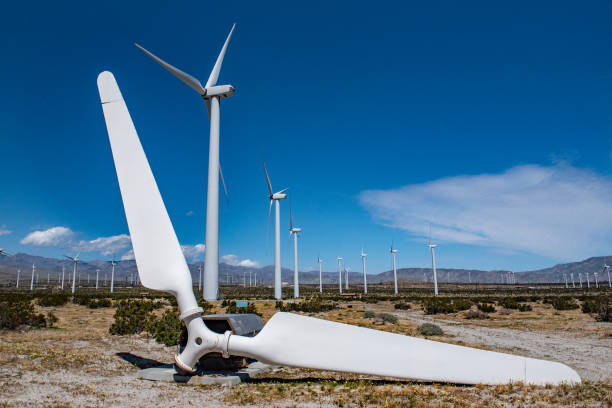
(56, 236)
(233, 260)
(559, 211)
(190, 213)
(193, 252)
(105, 245)
(128, 256)
(4, 230)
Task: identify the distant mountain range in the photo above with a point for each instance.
(124, 270)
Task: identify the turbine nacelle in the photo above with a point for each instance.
(278, 196)
(432, 246)
(219, 91)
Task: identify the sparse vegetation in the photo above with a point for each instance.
(485, 307)
(438, 305)
(52, 299)
(600, 307)
(430, 329)
(167, 329)
(475, 314)
(20, 313)
(232, 308)
(308, 306)
(562, 303)
(402, 306)
(131, 316)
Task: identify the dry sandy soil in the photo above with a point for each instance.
(80, 364)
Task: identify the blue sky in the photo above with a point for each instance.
(491, 122)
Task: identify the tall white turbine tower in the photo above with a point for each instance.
(112, 285)
(346, 277)
(606, 268)
(75, 261)
(339, 275)
(275, 199)
(588, 282)
(295, 231)
(393, 252)
(363, 265)
(97, 276)
(32, 281)
(320, 261)
(596, 280)
(18, 276)
(433, 267)
(212, 94)
(580, 279)
(572, 276)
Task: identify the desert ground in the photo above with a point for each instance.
(78, 363)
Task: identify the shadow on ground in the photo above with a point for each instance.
(138, 361)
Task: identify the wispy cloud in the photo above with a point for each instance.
(52, 237)
(105, 245)
(559, 211)
(231, 259)
(193, 252)
(4, 230)
(190, 213)
(128, 256)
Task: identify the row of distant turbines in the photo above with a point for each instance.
(571, 280)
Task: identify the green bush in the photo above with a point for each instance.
(402, 306)
(388, 317)
(437, 305)
(167, 329)
(563, 303)
(19, 313)
(131, 316)
(308, 306)
(369, 315)
(51, 319)
(232, 308)
(52, 299)
(524, 307)
(97, 303)
(475, 314)
(485, 307)
(600, 307)
(430, 329)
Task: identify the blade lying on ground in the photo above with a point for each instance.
(183, 76)
(301, 341)
(158, 255)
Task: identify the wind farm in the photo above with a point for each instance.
(477, 316)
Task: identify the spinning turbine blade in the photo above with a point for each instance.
(301, 341)
(268, 180)
(223, 182)
(183, 76)
(160, 261)
(214, 75)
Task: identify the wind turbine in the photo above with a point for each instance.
(339, 275)
(588, 282)
(295, 231)
(320, 261)
(32, 281)
(212, 94)
(572, 276)
(112, 285)
(287, 339)
(565, 276)
(393, 252)
(75, 261)
(18, 275)
(580, 278)
(275, 199)
(433, 267)
(365, 279)
(4, 253)
(596, 280)
(607, 269)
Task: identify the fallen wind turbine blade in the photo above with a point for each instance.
(160, 261)
(302, 341)
(214, 74)
(183, 76)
